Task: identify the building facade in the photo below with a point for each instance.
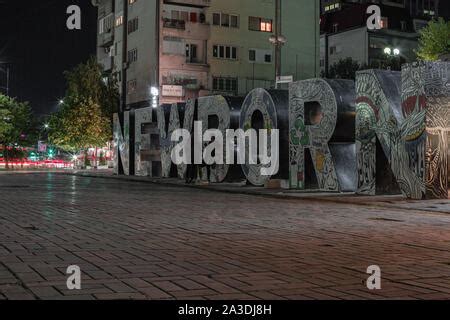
(164, 51)
(344, 24)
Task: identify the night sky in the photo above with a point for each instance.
(35, 39)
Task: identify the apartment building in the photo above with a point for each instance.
(344, 24)
(165, 51)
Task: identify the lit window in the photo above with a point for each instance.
(384, 23)
(119, 21)
(259, 24)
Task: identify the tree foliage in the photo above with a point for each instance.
(347, 68)
(434, 40)
(344, 69)
(84, 120)
(16, 122)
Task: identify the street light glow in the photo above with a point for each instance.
(388, 51)
(154, 91)
(396, 52)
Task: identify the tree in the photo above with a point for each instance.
(347, 68)
(84, 120)
(434, 40)
(16, 126)
(87, 81)
(344, 69)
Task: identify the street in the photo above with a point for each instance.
(136, 240)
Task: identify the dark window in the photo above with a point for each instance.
(216, 19)
(225, 20)
(234, 21)
(252, 55)
(268, 58)
(234, 53)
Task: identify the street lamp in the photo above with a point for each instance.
(154, 91)
(392, 52)
(61, 101)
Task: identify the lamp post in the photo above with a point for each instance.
(392, 54)
(278, 40)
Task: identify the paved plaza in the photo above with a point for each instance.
(135, 240)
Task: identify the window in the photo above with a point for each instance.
(403, 25)
(252, 55)
(225, 84)
(132, 55)
(260, 55)
(193, 17)
(234, 21)
(216, 19)
(266, 25)
(260, 24)
(384, 23)
(335, 28)
(234, 53)
(332, 50)
(175, 15)
(226, 20)
(184, 15)
(173, 45)
(133, 25)
(106, 24)
(191, 53)
(225, 52)
(131, 86)
(119, 21)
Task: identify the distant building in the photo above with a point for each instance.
(183, 49)
(344, 31)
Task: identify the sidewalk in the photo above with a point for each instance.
(384, 201)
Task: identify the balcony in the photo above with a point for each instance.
(194, 3)
(186, 30)
(106, 39)
(174, 24)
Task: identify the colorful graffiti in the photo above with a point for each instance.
(386, 132)
(408, 114)
(313, 127)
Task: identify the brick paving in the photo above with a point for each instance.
(145, 241)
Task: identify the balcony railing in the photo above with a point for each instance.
(175, 24)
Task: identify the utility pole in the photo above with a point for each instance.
(277, 45)
(124, 68)
(278, 40)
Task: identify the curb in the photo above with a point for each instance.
(329, 199)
